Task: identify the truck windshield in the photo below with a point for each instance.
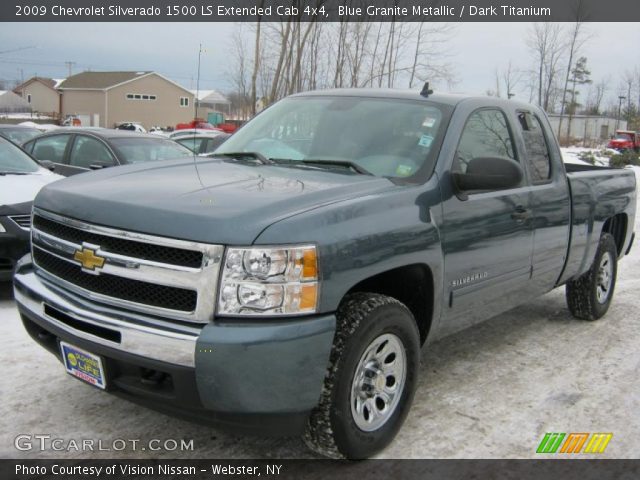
(623, 136)
(138, 150)
(385, 137)
(14, 161)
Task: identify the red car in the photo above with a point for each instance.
(625, 140)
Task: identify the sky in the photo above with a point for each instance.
(476, 50)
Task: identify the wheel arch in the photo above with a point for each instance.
(410, 284)
(617, 227)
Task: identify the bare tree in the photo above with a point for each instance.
(576, 40)
(545, 43)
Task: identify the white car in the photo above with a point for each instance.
(21, 178)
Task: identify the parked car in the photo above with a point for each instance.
(78, 150)
(131, 126)
(288, 283)
(201, 144)
(194, 131)
(17, 133)
(21, 177)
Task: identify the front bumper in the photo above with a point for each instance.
(14, 243)
(261, 377)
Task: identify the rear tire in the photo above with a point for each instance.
(590, 295)
(370, 381)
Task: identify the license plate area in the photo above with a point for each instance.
(84, 365)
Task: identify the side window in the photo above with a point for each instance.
(538, 158)
(87, 151)
(51, 148)
(191, 143)
(486, 134)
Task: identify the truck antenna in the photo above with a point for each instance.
(426, 91)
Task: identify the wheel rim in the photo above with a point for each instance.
(604, 278)
(378, 382)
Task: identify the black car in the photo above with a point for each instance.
(21, 178)
(201, 143)
(18, 133)
(77, 150)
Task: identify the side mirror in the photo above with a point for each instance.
(489, 173)
(99, 166)
(48, 164)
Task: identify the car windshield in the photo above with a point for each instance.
(381, 136)
(138, 150)
(623, 136)
(14, 160)
(20, 135)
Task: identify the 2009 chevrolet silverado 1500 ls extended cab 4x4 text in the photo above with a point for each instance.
(288, 283)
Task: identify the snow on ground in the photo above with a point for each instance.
(573, 154)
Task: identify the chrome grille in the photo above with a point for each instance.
(176, 279)
(23, 221)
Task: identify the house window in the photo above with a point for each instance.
(140, 96)
(28, 98)
(184, 101)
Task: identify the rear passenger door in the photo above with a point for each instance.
(87, 153)
(53, 148)
(487, 236)
(549, 198)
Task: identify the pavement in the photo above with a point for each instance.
(491, 391)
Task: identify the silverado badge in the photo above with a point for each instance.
(88, 258)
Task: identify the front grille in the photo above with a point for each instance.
(118, 287)
(120, 246)
(23, 221)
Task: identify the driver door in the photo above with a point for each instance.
(487, 235)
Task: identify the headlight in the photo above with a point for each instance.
(269, 281)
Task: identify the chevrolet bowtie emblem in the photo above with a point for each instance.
(88, 258)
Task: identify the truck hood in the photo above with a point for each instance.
(24, 188)
(209, 200)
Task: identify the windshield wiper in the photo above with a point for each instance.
(326, 164)
(240, 155)
(13, 172)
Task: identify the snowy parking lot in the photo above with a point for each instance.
(491, 391)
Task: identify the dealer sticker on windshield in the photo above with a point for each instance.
(84, 365)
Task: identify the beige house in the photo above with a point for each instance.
(42, 95)
(106, 99)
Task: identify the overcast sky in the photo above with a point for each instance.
(477, 49)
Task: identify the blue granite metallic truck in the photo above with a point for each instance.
(288, 283)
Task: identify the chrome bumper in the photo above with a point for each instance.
(139, 335)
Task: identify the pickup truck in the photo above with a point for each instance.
(625, 140)
(287, 284)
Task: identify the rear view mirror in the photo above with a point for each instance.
(48, 164)
(489, 173)
(99, 165)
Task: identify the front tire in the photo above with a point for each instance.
(370, 381)
(590, 295)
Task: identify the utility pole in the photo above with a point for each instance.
(70, 66)
(197, 100)
(620, 98)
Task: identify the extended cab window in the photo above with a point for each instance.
(538, 158)
(88, 151)
(486, 134)
(51, 148)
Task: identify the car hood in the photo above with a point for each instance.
(211, 201)
(24, 188)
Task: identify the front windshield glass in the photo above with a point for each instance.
(386, 137)
(20, 135)
(623, 136)
(14, 160)
(138, 150)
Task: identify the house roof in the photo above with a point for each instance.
(49, 82)
(99, 80)
(211, 96)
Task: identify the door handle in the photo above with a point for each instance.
(520, 214)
